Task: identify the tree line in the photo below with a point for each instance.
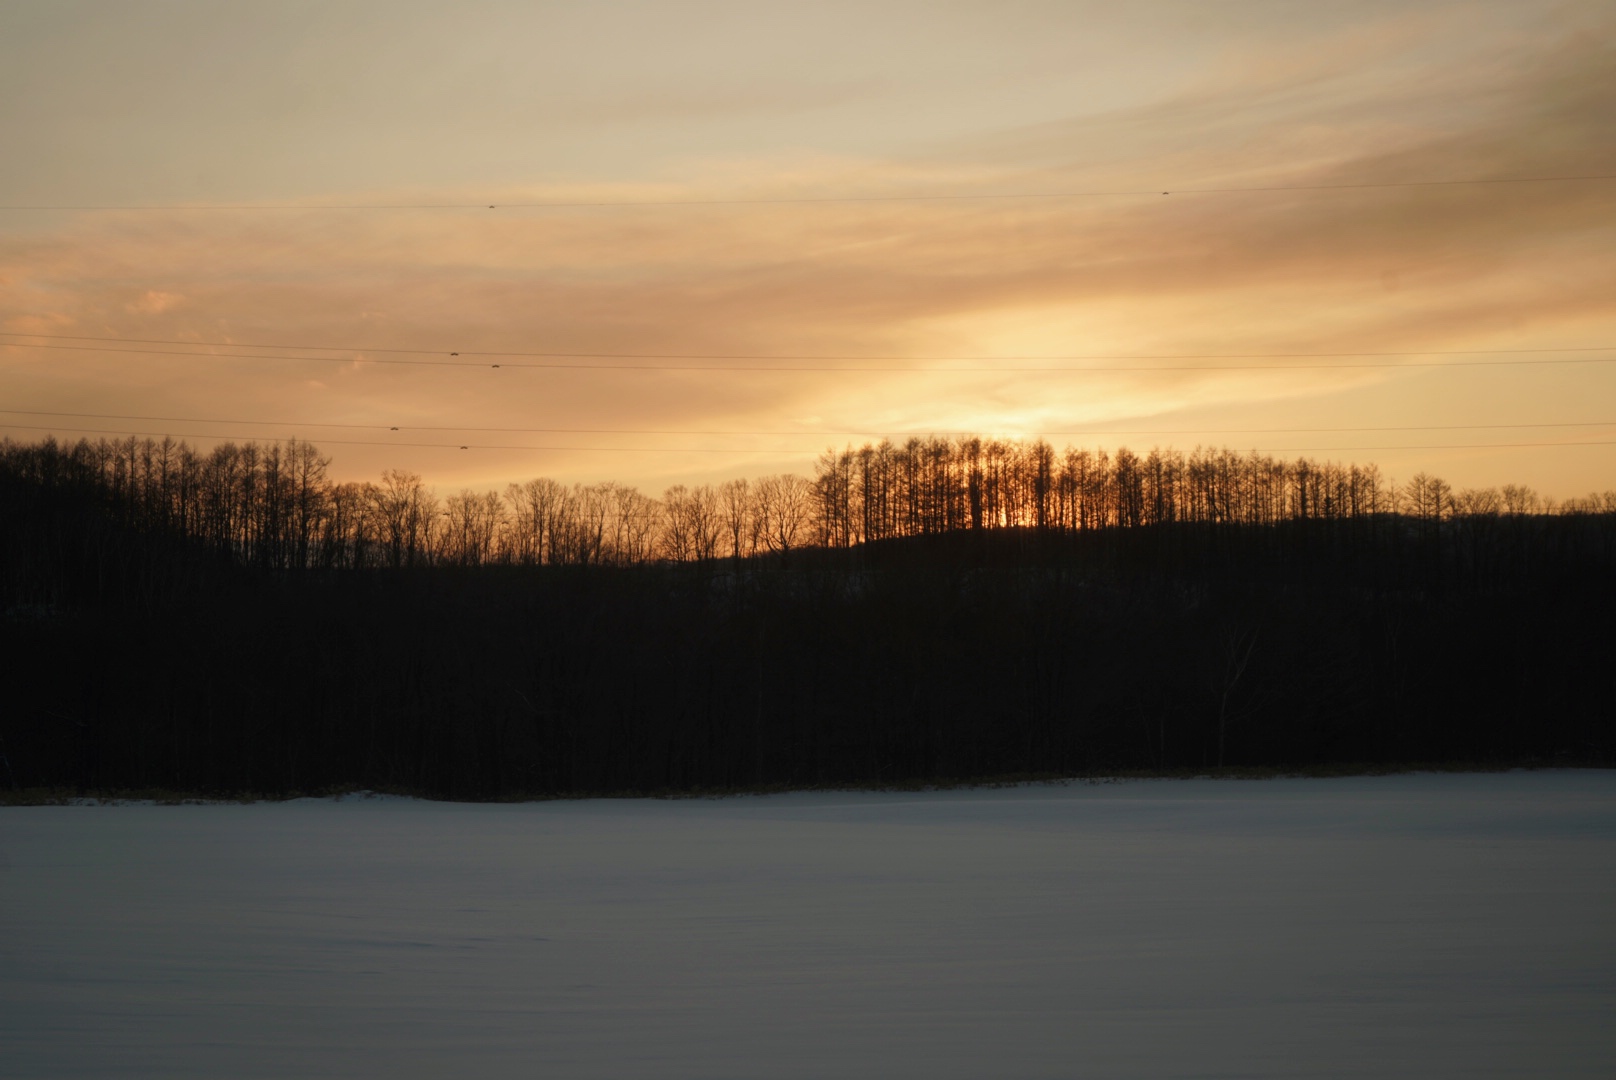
(275, 506)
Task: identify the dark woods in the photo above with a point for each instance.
(947, 609)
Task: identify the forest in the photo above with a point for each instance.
(943, 610)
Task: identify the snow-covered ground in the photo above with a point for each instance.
(1408, 926)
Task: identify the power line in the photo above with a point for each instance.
(437, 446)
(810, 356)
(780, 451)
(777, 433)
(565, 204)
(755, 368)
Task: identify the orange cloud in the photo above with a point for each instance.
(153, 302)
(914, 283)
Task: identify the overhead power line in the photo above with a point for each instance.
(774, 451)
(454, 360)
(809, 356)
(406, 427)
(425, 445)
(568, 204)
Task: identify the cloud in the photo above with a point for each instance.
(153, 302)
(915, 283)
(45, 322)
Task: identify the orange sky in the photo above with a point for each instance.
(172, 105)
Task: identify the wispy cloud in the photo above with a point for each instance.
(1372, 269)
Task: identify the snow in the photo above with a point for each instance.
(1404, 926)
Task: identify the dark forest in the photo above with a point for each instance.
(234, 623)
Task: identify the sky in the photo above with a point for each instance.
(825, 222)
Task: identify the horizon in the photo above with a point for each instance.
(1391, 494)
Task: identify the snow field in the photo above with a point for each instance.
(1405, 926)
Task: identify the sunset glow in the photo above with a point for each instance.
(1206, 244)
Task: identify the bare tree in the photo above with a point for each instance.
(637, 524)
(782, 506)
(1428, 498)
(404, 510)
(306, 471)
(739, 522)
(1520, 499)
(585, 524)
(1478, 502)
(706, 521)
(692, 523)
(678, 543)
(534, 510)
(472, 523)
